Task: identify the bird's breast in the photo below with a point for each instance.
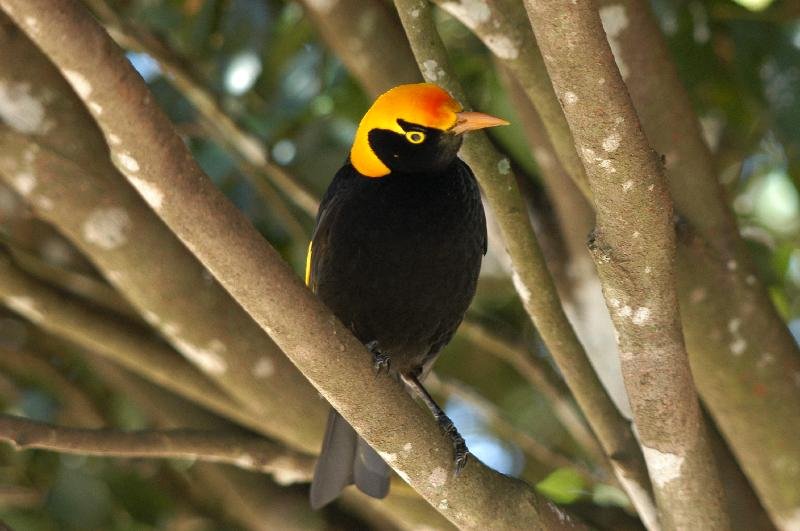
(403, 265)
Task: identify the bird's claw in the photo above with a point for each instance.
(460, 450)
(380, 361)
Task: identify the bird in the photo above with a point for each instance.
(395, 254)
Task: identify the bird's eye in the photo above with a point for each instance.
(415, 137)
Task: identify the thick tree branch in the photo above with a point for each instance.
(147, 150)
(634, 249)
(247, 147)
(247, 452)
(64, 173)
(578, 285)
(753, 347)
(247, 501)
(531, 276)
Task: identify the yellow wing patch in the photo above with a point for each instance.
(308, 264)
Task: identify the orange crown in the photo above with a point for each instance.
(423, 104)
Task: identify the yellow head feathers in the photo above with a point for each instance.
(423, 104)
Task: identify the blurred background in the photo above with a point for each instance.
(267, 67)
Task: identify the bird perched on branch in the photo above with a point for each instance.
(395, 254)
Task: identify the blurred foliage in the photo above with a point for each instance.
(269, 69)
(564, 485)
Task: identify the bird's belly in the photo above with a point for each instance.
(409, 294)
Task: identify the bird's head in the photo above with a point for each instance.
(413, 128)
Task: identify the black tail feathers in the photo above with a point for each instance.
(346, 459)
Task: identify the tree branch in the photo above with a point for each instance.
(65, 174)
(25, 366)
(245, 146)
(714, 272)
(129, 346)
(546, 457)
(249, 453)
(634, 250)
(507, 34)
(531, 276)
(157, 163)
(578, 285)
(539, 377)
(366, 35)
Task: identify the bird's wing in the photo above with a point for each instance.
(328, 208)
(469, 175)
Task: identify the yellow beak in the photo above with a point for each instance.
(470, 121)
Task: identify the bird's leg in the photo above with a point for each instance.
(380, 361)
(460, 451)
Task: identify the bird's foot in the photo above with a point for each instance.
(380, 361)
(460, 450)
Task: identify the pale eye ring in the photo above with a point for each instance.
(415, 137)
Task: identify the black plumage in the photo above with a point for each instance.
(396, 258)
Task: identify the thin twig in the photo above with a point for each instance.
(19, 498)
(542, 454)
(247, 452)
(76, 406)
(80, 284)
(534, 371)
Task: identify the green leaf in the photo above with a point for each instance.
(564, 485)
(606, 495)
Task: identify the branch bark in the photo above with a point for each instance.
(64, 173)
(752, 347)
(539, 377)
(504, 29)
(251, 500)
(531, 276)
(152, 157)
(634, 250)
(129, 346)
(245, 146)
(578, 285)
(247, 452)
(366, 36)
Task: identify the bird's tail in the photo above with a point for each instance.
(345, 459)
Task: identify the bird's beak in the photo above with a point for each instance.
(470, 121)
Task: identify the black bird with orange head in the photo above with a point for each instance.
(395, 254)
